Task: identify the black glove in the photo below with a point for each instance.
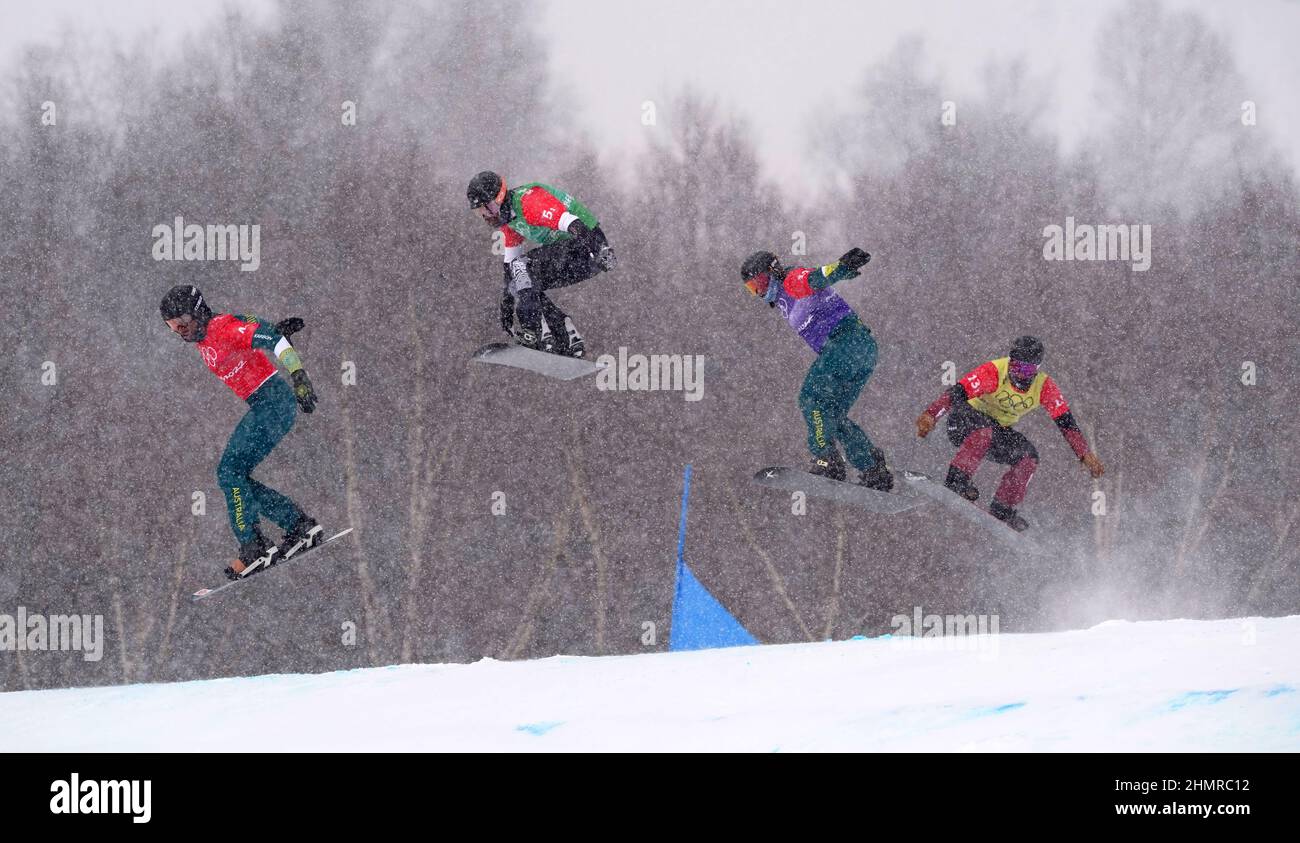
(289, 327)
(507, 312)
(854, 259)
(302, 391)
(605, 257)
(601, 252)
(578, 231)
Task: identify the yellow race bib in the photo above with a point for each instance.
(1006, 404)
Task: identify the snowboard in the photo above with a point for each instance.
(543, 363)
(970, 510)
(840, 491)
(208, 592)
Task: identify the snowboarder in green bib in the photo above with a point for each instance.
(572, 249)
(846, 357)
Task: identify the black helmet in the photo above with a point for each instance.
(483, 188)
(185, 300)
(758, 263)
(1027, 350)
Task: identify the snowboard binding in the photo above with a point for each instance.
(1008, 516)
(829, 465)
(878, 477)
(255, 555)
(304, 535)
(960, 482)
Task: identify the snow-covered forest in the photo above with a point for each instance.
(1182, 376)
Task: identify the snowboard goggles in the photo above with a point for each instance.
(758, 284)
(1022, 371)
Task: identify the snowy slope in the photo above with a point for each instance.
(1169, 685)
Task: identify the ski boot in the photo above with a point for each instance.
(878, 477)
(1008, 516)
(554, 343)
(829, 465)
(304, 535)
(551, 342)
(254, 555)
(576, 347)
(959, 482)
(530, 339)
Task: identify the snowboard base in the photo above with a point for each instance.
(543, 363)
(840, 491)
(969, 510)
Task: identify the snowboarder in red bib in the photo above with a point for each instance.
(983, 406)
(573, 248)
(235, 349)
(846, 357)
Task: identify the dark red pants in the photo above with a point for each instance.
(977, 436)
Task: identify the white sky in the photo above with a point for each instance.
(614, 56)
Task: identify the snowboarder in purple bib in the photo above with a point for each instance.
(846, 357)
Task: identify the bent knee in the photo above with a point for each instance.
(229, 474)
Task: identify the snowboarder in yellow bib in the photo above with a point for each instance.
(983, 406)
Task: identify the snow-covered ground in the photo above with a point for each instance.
(1169, 685)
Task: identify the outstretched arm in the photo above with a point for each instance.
(804, 282)
(1059, 410)
(848, 266)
